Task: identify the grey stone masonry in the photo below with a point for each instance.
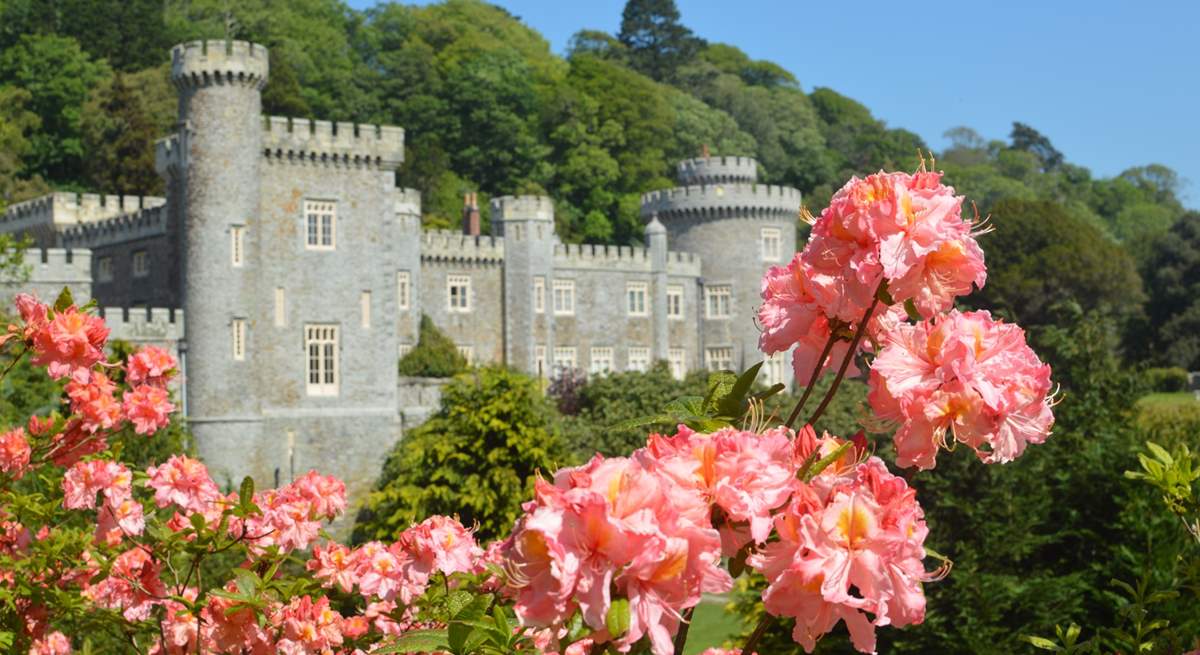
(289, 273)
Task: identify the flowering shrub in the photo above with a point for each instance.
(610, 556)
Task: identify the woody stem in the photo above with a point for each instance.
(812, 380)
(858, 334)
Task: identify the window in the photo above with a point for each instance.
(775, 369)
(635, 298)
(564, 297)
(458, 293)
(280, 308)
(675, 302)
(677, 358)
(321, 348)
(403, 349)
(639, 359)
(403, 290)
(141, 263)
(718, 359)
(235, 245)
(320, 217)
(238, 334)
(104, 269)
(467, 353)
(602, 361)
(564, 359)
(771, 244)
(539, 294)
(364, 303)
(539, 360)
(716, 301)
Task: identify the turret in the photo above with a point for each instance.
(527, 225)
(656, 246)
(212, 169)
(739, 228)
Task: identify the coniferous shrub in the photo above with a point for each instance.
(435, 355)
(476, 458)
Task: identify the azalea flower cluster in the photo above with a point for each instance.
(898, 233)
(652, 529)
(965, 375)
(900, 239)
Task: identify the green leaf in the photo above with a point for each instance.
(810, 471)
(770, 391)
(734, 402)
(6, 638)
(1042, 643)
(720, 383)
(246, 492)
(64, 300)
(617, 619)
(247, 581)
(910, 308)
(417, 641)
(884, 295)
(1160, 452)
(737, 565)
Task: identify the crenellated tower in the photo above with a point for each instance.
(212, 167)
(527, 225)
(739, 228)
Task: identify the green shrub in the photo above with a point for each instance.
(1167, 379)
(435, 355)
(1170, 424)
(476, 458)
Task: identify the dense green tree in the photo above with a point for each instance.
(1024, 137)
(119, 129)
(860, 143)
(1039, 255)
(434, 356)
(1172, 274)
(477, 458)
(58, 75)
(16, 125)
(658, 44)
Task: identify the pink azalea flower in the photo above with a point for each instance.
(83, 480)
(184, 482)
(119, 519)
(334, 564)
(150, 365)
(440, 543)
(14, 453)
(69, 344)
(94, 402)
(307, 626)
(147, 408)
(133, 585)
(964, 375)
(55, 643)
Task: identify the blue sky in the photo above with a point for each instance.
(1113, 83)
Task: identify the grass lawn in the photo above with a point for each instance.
(1172, 398)
(711, 626)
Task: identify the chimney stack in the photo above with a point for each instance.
(470, 216)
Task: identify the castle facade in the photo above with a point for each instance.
(289, 273)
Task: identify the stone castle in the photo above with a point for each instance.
(289, 273)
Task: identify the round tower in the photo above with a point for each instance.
(215, 188)
(739, 228)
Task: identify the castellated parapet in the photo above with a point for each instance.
(718, 170)
(48, 215)
(297, 140)
(156, 326)
(201, 63)
(142, 224)
(522, 208)
(452, 246)
(722, 201)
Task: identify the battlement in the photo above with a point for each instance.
(591, 256)
(451, 245)
(718, 170)
(150, 222)
(684, 263)
(58, 265)
(203, 63)
(59, 211)
(300, 140)
(722, 201)
(507, 208)
(155, 325)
